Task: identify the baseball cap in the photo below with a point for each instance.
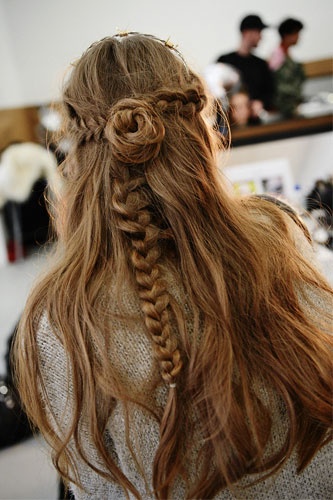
(252, 22)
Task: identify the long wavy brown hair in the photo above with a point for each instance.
(142, 198)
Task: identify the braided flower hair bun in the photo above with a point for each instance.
(132, 98)
(134, 130)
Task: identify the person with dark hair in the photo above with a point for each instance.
(289, 75)
(255, 73)
(179, 344)
(290, 27)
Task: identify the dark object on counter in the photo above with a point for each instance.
(321, 196)
(14, 424)
(320, 202)
(27, 223)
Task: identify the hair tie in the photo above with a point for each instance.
(173, 385)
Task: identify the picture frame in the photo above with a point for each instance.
(265, 177)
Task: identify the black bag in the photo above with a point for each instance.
(14, 424)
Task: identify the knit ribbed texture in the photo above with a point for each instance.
(136, 365)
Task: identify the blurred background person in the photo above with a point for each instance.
(288, 74)
(239, 109)
(222, 79)
(255, 73)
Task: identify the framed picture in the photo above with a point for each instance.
(270, 176)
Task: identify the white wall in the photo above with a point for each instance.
(38, 38)
(10, 81)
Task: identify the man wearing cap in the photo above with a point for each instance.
(254, 71)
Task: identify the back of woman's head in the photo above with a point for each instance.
(134, 109)
(122, 81)
(142, 201)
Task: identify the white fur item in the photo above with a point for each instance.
(21, 166)
(220, 77)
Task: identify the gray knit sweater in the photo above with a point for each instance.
(135, 363)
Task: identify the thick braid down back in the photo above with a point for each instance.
(135, 130)
(155, 300)
(136, 138)
(135, 221)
